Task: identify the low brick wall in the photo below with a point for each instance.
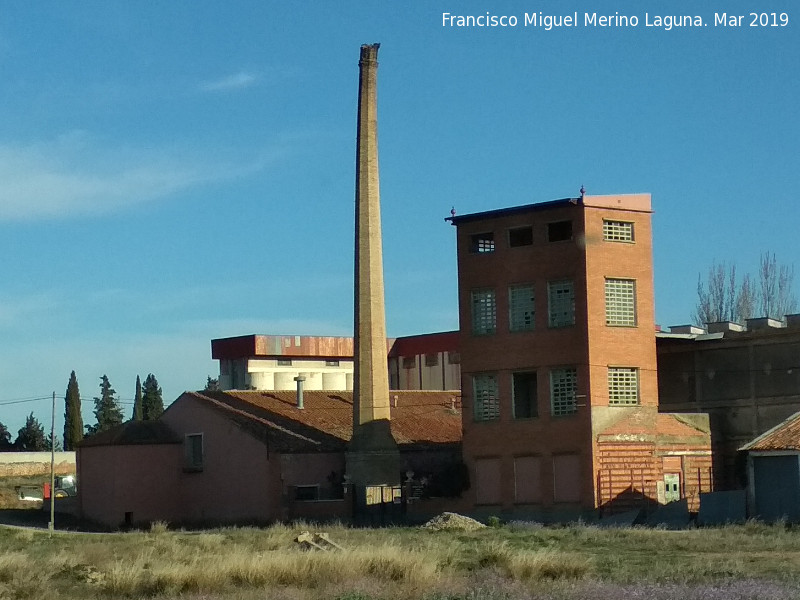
(27, 464)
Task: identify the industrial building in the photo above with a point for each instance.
(558, 361)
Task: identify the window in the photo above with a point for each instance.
(528, 479)
(520, 308)
(561, 303)
(487, 405)
(525, 406)
(454, 358)
(563, 388)
(431, 360)
(520, 236)
(409, 362)
(481, 243)
(484, 312)
(623, 386)
(617, 231)
(306, 493)
(487, 481)
(560, 231)
(193, 452)
(284, 362)
(331, 363)
(621, 302)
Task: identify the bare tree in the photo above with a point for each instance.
(723, 298)
(776, 298)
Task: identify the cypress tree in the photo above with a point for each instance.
(73, 420)
(137, 401)
(106, 408)
(152, 403)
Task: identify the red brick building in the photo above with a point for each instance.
(558, 362)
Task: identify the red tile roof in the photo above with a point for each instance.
(664, 424)
(784, 436)
(132, 433)
(420, 418)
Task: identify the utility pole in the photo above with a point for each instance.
(52, 525)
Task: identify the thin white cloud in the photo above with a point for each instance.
(75, 175)
(236, 81)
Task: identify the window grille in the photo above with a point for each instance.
(481, 243)
(521, 307)
(484, 312)
(617, 231)
(563, 388)
(561, 303)
(623, 386)
(487, 404)
(621, 302)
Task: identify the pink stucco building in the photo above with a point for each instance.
(256, 456)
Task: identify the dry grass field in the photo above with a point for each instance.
(751, 561)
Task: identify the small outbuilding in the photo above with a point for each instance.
(259, 456)
(773, 472)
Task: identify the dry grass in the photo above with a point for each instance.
(559, 563)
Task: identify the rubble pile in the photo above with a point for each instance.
(448, 521)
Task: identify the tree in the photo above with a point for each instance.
(137, 401)
(73, 420)
(106, 408)
(212, 385)
(31, 438)
(722, 297)
(152, 403)
(775, 296)
(5, 439)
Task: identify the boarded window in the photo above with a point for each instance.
(567, 478)
(528, 479)
(487, 481)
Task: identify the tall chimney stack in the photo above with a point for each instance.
(372, 456)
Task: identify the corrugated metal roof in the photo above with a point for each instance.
(421, 418)
(784, 436)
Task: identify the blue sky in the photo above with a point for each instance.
(176, 172)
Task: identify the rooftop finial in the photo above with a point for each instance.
(583, 191)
